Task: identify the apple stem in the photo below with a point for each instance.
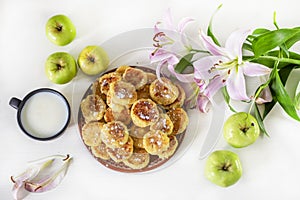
(91, 59)
(58, 27)
(226, 167)
(59, 67)
(244, 129)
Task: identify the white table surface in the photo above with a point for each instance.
(271, 165)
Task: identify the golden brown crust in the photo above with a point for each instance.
(164, 123)
(138, 160)
(155, 142)
(93, 108)
(180, 120)
(179, 101)
(91, 133)
(144, 112)
(122, 115)
(137, 142)
(150, 77)
(114, 134)
(163, 92)
(171, 149)
(137, 131)
(121, 153)
(122, 93)
(100, 151)
(137, 77)
(121, 69)
(107, 79)
(143, 92)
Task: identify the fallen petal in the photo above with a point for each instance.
(48, 182)
(19, 192)
(38, 170)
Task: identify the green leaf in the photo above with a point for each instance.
(260, 120)
(284, 74)
(209, 29)
(184, 62)
(260, 31)
(296, 38)
(268, 41)
(247, 46)
(278, 90)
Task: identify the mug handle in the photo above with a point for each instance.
(15, 102)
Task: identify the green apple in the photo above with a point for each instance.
(241, 129)
(60, 67)
(60, 30)
(223, 168)
(93, 60)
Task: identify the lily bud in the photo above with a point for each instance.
(265, 96)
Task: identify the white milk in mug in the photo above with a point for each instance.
(44, 114)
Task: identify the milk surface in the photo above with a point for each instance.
(44, 114)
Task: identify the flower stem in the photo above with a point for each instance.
(285, 60)
(198, 51)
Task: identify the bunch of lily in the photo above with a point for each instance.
(247, 53)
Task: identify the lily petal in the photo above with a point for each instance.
(160, 55)
(46, 182)
(168, 20)
(19, 191)
(235, 42)
(255, 69)
(185, 78)
(214, 85)
(38, 172)
(204, 67)
(183, 23)
(211, 46)
(236, 85)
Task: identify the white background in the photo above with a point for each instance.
(271, 165)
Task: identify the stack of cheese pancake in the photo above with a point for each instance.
(132, 121)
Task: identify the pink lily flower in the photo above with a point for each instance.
(167, 36)
(225, 67)
(170, 43)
